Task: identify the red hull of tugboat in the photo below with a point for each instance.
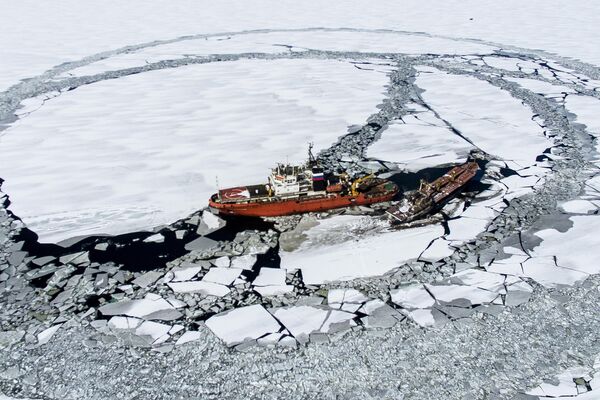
(274, 207)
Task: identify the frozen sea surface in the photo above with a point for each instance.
(145, 150)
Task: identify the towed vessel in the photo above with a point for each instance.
(431, 196)
(295, 189)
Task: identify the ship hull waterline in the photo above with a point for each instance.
(279, 207)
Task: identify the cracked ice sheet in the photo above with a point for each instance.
(416, 145)
(541, 87)
(140, 308)
(153, 143)
(242, 323)
(465, 229)
(587, 111)
(510, 63)
(278, 42)
(303, 320)
(493, 120)
(461, 296)
(322, 260)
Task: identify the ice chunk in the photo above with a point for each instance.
(185, 273)
(270, 276)
(301, 321)
(460, 295)
(139, 308)
(158, 332)
(412, 296)
(223, 276)
(481, 279)
(206, 288)
(188, 336)
(240, 324)
(222, 262)
(243, 262)
(44, 336)
(274, 290)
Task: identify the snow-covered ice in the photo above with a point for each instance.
(235, 326)
(204, 287)
(223, 276)
(415, 145)
(140, 308)
(488, 116)
(145, 150)
(301, 321)
(412, 296)
(356, 256)
(575, 249)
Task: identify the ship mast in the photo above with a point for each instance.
(311, 159)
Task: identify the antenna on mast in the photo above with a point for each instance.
(311, 158)
(218, 189)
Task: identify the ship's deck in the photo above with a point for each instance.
(257, 191)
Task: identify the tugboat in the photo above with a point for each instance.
(431, 196)
(293, 189)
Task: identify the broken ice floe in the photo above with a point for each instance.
(578, 383)
(240, 324)
(459, 295)
(271, 282)
(363, 255)
(495, 122)
(151, 307)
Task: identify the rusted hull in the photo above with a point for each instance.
(272, 207)
(431, 196)
(454, 180)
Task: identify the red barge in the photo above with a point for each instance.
(300, 189)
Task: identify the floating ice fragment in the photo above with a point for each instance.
(188, 336)
(185, 272)
(412, 296)
(139, 308)
(270, 276)
(274, 290)
(44, 336)
(223, 276)
(206, 288)
(240, 324)
(243, 262)
(462, 296)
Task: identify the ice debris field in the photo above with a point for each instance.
(108, 161)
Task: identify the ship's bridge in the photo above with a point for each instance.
(290, 180)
